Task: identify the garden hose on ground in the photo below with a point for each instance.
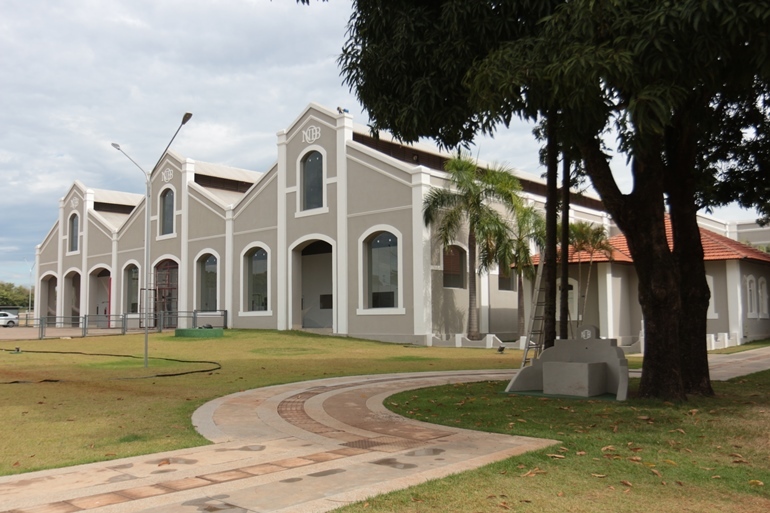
(216, 365)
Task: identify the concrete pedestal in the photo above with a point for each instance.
(574, 378)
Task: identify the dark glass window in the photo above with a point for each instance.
(256, 280)
(454, 267)
(208, 283)
(167, 212)
(382, 256)
(312, 181)
(73, 232)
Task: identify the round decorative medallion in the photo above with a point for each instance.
(168, 174)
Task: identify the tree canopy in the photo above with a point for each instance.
(684, 84)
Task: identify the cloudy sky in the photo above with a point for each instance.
(77, 75)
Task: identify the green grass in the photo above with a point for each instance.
(705, 455)
(640, 455)
(65, 409)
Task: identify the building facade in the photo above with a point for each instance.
(330, 238)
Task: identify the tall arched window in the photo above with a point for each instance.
(256, 265)
(382, 272)
(167, 212)
(751, 296)
(311, 181)
(454, 267)
(73, 232)
(762, 293)
(207, 283)
(131, 288)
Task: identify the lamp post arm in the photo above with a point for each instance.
(185, 119)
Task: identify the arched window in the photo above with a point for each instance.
(751, 296)
(207, 283)
(256, 264)
(311, 181)
(454, 267)
(382, 270)
(131, 289)
(167, 212)
(762, 292)
(73, 232)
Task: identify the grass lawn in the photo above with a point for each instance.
(62, 409)
(706, 455)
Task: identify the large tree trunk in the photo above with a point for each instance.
(688, 252)
(660, 302)
(694, 294)
(551, 211)
(473, 311)
(564, 289)
(641, 217)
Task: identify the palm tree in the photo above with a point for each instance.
(529, 226)
(467, 202)
(591, 239)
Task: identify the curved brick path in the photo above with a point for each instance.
(301, 447)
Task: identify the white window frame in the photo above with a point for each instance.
(764, 312)
(466, 270)
(256, 313)
(159, 224)
(363, 272)
(196, 278)
(324, 208)
(751, 296)
(73, 236)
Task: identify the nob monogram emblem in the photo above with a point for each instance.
(168, 175)
(311, 134)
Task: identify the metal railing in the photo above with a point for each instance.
(94, 325)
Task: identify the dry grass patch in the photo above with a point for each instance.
(68, 408)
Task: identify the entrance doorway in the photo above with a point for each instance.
(316, 285)
(166, 293)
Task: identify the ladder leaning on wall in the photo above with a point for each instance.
(536, 327)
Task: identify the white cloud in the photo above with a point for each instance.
(76, 75)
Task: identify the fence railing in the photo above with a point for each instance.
(83, 326)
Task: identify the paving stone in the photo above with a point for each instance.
(97, 501)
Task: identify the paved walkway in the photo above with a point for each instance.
(302, 447)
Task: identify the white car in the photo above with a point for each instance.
(8, 320)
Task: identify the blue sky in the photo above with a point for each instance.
(77, 75)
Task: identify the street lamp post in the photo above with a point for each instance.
(147, 229)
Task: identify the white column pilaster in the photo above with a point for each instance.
(421, 250)
(344, 134)
(280, 263)
(230, 261)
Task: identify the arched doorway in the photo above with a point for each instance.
(313, 285)
(71, 299)
(166, 293)
(99, 297)
(46, 298)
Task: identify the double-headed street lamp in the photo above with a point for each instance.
(147, 229)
